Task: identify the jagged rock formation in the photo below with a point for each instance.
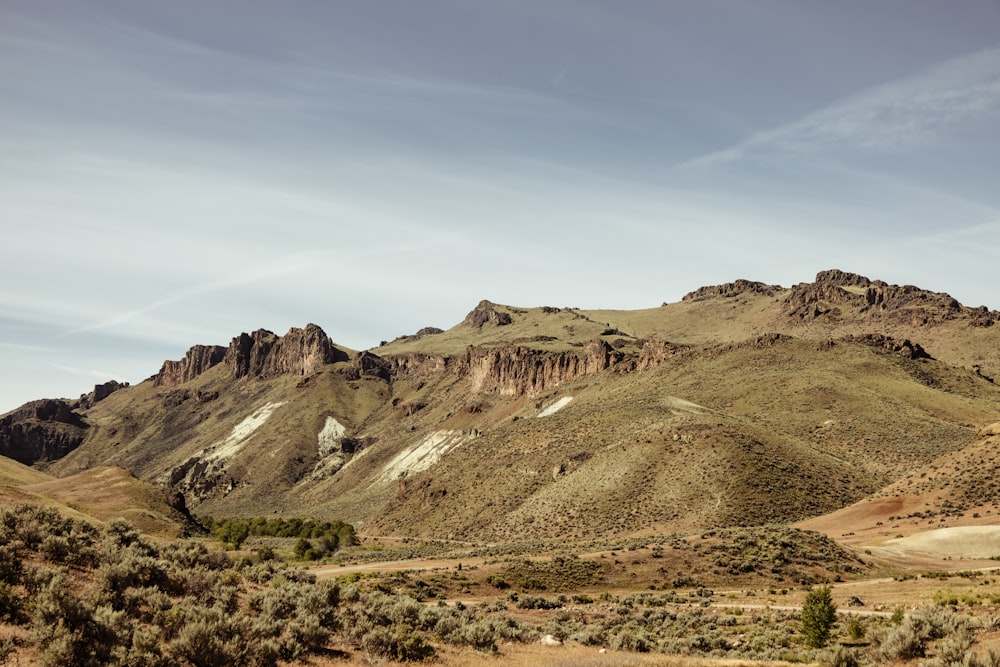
(100, 392)
(732, 289)
(516, 370)
(260, 354)
(834, 294)
(197, 360)
(486, 313)
(42, 430)
(264, 354)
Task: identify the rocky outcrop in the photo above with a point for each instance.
(190, 525)
(43, 430)
(370, 365)
(197, 360)
(983, 317)
(651, 354)
(392, 366)
(904, 348)
(515, 370)
(732, 289)
(101, 391)
(426, 331)
(416, 365)
(264, 354)
(486, 313)
(837, 295)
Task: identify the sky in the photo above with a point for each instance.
(176, 173)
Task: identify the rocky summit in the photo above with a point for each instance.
(742, 404)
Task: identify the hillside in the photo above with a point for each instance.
(98, 494)
(956, 490)
(742, 404)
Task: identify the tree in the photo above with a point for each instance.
(233, 532)
(818, 616)
(302, 546)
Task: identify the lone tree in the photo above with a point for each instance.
(818, 616)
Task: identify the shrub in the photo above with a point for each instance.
(855, 628)
(480, 635)
(397, 643)
(630, 638)
(10, 604)
(55, 548)
(953, 649)
(201, 643)
(536, 602)
(11, 565)
(841, 657)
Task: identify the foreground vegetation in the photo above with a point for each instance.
(72, 593)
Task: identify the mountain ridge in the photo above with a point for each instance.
(743, 403)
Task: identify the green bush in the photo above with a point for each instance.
(818, 616)
(855, 627)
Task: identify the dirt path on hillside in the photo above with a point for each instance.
(326, 571)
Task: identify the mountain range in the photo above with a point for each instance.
(742, 404)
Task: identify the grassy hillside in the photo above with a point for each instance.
(104, 493)
(772, 430)
(13, 473)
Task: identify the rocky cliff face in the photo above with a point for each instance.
(515, 370)
(197, 360)
(416, 365)
(837, 294)
(42, 430)
(264, 354)
(260, 354)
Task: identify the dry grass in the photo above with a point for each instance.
(103, 493)
(13, 473)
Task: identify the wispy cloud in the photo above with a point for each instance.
(894, 116)
(290, 264)
(93, 373)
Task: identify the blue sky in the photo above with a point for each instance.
(174, 173)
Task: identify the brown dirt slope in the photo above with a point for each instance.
(957, 489)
